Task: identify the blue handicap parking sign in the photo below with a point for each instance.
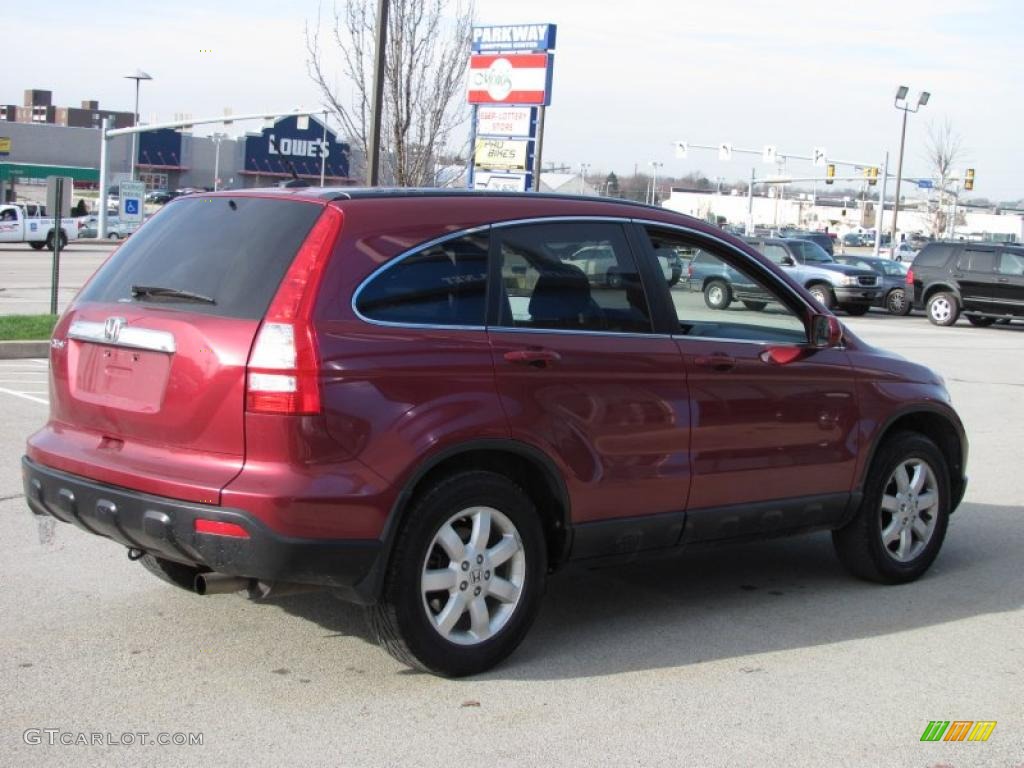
(131, 206)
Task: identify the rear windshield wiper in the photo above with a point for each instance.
(170, 293)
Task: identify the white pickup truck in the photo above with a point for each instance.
(26, 224)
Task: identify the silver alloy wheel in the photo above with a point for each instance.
(897, 300)
(716, 294)
(940, 309)
(819, 295)
(473, 575)
(909, 510)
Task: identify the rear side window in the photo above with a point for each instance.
(933, 256)
(577, 276)
(977, 261)
(232, 250)
(444, 284)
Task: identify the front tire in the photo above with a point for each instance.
(466, 576)
(943, 309)
(856, 310)
(902, 520)
(822, 294)
(717, 295)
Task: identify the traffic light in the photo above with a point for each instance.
(830, 173)
(969, 179)
(872, 174)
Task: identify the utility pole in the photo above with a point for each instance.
(373, 146)
(323, 152)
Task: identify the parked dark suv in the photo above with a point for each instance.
(417, 400)
(984, 282)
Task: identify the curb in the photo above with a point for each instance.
(16, 350)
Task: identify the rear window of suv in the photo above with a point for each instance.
(234, 250)
(933, 256)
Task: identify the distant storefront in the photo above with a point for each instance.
(169, 159)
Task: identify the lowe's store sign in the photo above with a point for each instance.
(290, 144)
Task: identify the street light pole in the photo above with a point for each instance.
(584, 167)
(922, 100)
(654, 181)
(138, 77)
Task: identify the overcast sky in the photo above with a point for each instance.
(630, 78)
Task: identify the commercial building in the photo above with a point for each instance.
(38, 107)
(289, 147)
(839, 215)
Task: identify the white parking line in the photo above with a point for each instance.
(25, 379)
(24, 396)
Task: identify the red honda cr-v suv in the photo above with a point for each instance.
(429, 401)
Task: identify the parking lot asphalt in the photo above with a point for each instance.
(759, 655)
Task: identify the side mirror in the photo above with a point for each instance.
(826, 331)
(787, 261)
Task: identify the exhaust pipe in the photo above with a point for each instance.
(223, 584)
(220, 584)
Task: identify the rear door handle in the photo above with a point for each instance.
(538, 358)
(716, 362)
(1003, 280)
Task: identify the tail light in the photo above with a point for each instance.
(283, 374)
(910, 277)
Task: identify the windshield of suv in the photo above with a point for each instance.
(810, 252)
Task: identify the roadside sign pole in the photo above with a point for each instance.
(539, 163)
(750, 204)
(57, 214)
(101, 225)
(881, 205)
(471, 163)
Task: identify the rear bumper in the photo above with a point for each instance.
(166, 528)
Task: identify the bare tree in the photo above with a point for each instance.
(426, 60)
(943, 151)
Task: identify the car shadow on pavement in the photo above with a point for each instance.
(735, 601)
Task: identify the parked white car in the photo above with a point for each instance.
(901, 252)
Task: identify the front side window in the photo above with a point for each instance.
(724, 298)
(1011, 263)
(444, 284)
(577, 276)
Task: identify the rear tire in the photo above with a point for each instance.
(856, 310)
(943, 309)
(896, 302)
(36, 245)
(49, 241)
(482, 606)
(178, 574)
(717, 294)
(899, 528)
(822, 294)
(981, 322)
(755, 306)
